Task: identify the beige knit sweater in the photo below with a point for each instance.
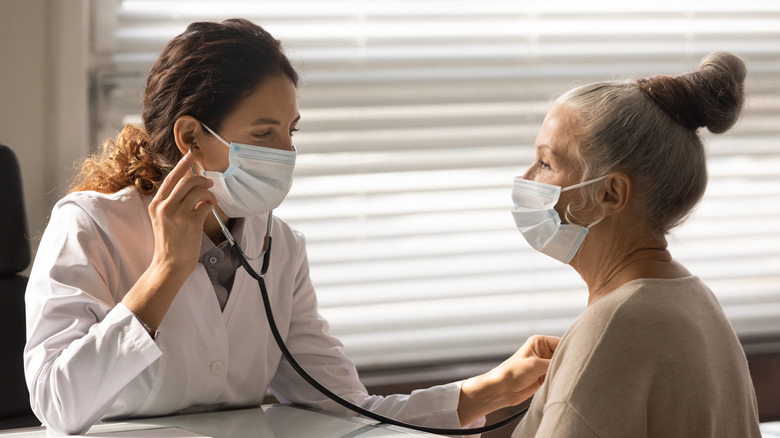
(655, 358)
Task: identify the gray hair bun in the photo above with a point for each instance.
(710, 97)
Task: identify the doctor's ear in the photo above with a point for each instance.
(185, 131)
(617, 193)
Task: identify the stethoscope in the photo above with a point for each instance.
(260, 277)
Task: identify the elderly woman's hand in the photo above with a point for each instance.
(510, 383)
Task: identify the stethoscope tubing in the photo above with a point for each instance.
(320, 387)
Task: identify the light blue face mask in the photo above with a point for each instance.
(257, 180)
(536, 218)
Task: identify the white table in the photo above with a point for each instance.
(268, 421)
(770, 430)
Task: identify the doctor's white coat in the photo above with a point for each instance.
(88, 358)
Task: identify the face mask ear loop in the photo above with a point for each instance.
(584, 183)
(215, 134)
(595, 223)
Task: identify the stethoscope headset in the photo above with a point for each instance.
(260, 277)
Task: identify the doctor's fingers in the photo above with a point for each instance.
(186, 208)
(525, 377)
(182, 169)
(182, 189)
(540, 346)
(190, 200)
(547, 345)
(198, 200)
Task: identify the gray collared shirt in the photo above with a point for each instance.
(221, 263)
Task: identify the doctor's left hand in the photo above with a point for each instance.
(512, 382)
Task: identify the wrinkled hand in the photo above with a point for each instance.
(512, 382)
(178, 211)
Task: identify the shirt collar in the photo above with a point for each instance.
(237, 230)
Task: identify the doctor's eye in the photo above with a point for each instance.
(293, 131)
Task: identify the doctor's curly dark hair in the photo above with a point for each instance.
(203, 72)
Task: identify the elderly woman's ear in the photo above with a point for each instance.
(617, 192)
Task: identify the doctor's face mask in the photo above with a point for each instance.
(538, 221)
(256, 181)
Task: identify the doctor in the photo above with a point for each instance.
(136, 305)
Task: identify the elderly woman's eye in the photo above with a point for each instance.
(544, 165)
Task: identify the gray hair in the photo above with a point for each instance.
(648, 129)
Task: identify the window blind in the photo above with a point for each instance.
(417, 115)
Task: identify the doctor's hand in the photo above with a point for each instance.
(178, 211)
(510, 383)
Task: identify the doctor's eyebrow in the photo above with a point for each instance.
(266, 121)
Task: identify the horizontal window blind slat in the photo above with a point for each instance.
(162, 10)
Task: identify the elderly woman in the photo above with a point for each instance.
(653, 354)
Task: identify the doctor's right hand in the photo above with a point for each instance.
(524, 372)
(178, 211)
(513, 381)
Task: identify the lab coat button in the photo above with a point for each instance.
(216, 367)
(212, 260)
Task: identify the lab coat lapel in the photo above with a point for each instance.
(203, 306)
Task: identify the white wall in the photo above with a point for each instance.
(43, 96)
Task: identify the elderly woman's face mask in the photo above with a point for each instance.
(538, 221)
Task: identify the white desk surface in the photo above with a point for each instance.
(770, 430)
(268, 421)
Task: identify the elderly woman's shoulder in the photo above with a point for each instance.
(653, 306)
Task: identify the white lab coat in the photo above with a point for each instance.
(88, 358)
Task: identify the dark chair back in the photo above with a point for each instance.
(14, 258)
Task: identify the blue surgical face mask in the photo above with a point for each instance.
(257, 180)
(536, 219)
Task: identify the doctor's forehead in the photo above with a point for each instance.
(274, 101)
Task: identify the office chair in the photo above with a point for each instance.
(14, 258)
